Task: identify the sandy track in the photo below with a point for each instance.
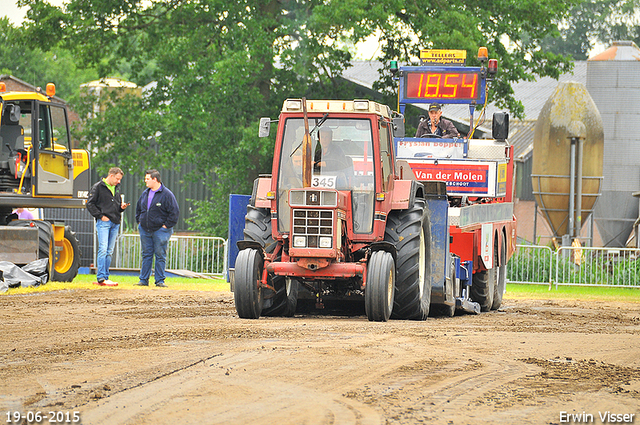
(151, 356)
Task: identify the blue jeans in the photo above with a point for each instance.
(154, 243)
(107, 232)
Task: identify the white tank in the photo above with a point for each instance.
(613, 80)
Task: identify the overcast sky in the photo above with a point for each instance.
(15, 13)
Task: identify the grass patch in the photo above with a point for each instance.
(85, 281)
(520, 291)
(514, 290)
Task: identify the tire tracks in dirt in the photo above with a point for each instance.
(265, 399)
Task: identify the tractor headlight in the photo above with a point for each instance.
(299, 241)
(325, 242)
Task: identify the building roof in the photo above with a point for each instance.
(532, 94)
(620, 51)
(111, 83)
(16, 84)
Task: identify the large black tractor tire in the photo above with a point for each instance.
(284, 300)
(257, 227)
(46, 243)
(501, 279)
(67, 261)
(379, 292)
(483, 287)
(409, 231)
(247, 293)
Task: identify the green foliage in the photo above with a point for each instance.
(601, 268)
(38, 67)
(590, 22)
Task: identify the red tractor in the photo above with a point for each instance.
(334, 218)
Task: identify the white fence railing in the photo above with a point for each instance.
(531, 264)
(575, 266)
(198, 254)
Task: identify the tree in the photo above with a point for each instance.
(221, 64)
(511, 30)
(591, 22)
(38, 67)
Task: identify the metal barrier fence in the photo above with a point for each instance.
(575, 266)
(531, 264)
(198, 254)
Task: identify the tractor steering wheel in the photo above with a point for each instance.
(431, 136)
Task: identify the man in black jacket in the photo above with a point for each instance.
(157, 212)
(105, 204)
(436, 125)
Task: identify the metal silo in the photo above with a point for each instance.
(613, 80)
(567, 158)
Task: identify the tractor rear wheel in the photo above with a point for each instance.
(247, 293)
(409, 231)
(67, 261)
(379, 292)
(284, 300)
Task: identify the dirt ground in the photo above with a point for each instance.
(154, 356)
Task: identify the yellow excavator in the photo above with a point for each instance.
(39, 169)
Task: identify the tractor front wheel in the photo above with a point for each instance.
(379, 292)
(248, 292)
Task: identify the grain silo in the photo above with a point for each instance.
(567, 158)
(613, 80)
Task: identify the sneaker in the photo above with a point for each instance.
(142, 283)
(161, 285)
(109, 282)
(101, 283)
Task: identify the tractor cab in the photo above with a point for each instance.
(341, 140)
(341, 160)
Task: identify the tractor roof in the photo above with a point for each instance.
(363, 106)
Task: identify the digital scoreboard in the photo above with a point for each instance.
(443, 85)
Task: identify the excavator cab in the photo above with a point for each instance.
(35, 134)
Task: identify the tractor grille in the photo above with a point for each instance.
(312, 229)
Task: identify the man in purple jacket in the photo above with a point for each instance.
(157, 212)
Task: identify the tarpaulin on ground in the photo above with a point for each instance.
(32, 274)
